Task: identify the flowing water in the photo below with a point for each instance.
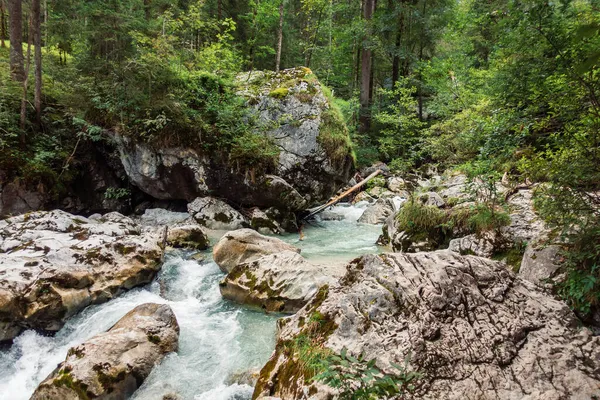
(219, 340)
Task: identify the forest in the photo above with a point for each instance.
(498, 90)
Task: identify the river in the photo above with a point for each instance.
(219, 340)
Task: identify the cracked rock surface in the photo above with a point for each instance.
(113, 364)
(471, 328)
(54, 264)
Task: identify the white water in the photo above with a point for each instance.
(218, 339)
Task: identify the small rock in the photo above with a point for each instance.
(363, 196)
(377, 213)
(112, 365)
(432, 199)
(216, 214)
(396, 184)
(540, 262)
(187, 237)
(245, 245)
(261, 222)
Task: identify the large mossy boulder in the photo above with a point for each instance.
(114, 364)
(54, 264)
(299, 121)
(469, 327)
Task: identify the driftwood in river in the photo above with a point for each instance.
(339, 198)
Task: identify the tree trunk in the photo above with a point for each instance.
(219, 9)
(365, 76)
(37, 42)
(2, 24)
(15, 13)
(279, 38)
(25, 83)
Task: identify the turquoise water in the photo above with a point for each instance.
(218, 339)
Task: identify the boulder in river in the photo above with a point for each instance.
(246, 245)
(216, 214)
(466, 325)
(315, 155)
(114, 364)
(54, 264)
(281, 282)
(187, 236)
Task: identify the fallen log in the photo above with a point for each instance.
(339, 198)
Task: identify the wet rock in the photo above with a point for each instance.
(363, 196)
(285, 219)
(216, 214)
(466, 324)
(246, 245)
(112, 365)
(281, 282)
(187, 236)
(54, 264)
(380, 192)
(261, 222)
(379, 212)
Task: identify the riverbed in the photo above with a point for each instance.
(220, 344)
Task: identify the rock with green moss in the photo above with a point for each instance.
(112, 365)
(280, 282)
(54, 264)
(187, 236)
(216, 214)
(246, 245)
(298, 139)
(465, 324)
(316, 153)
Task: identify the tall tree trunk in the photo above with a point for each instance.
(279, 38)
(365, 76)
(2, 24)
(219, 9)
(25, 83)
(37, 42)
(15, 14)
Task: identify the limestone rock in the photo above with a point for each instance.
(112, 365)
(380, 192)
(261, 222)
(466, 324)
(525, 223)
(541, 261)
(432, 199)
(216, 214)
(379, 212)
(246, 245)
(281, 282)
(363, 196)
(396, 184)
(54, 264)
(291, 109)
(483, 245)
(187, 236)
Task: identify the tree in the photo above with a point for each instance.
(279, 38)
(2, 24)
(15, 14)
(37, 42)
(366, 65)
